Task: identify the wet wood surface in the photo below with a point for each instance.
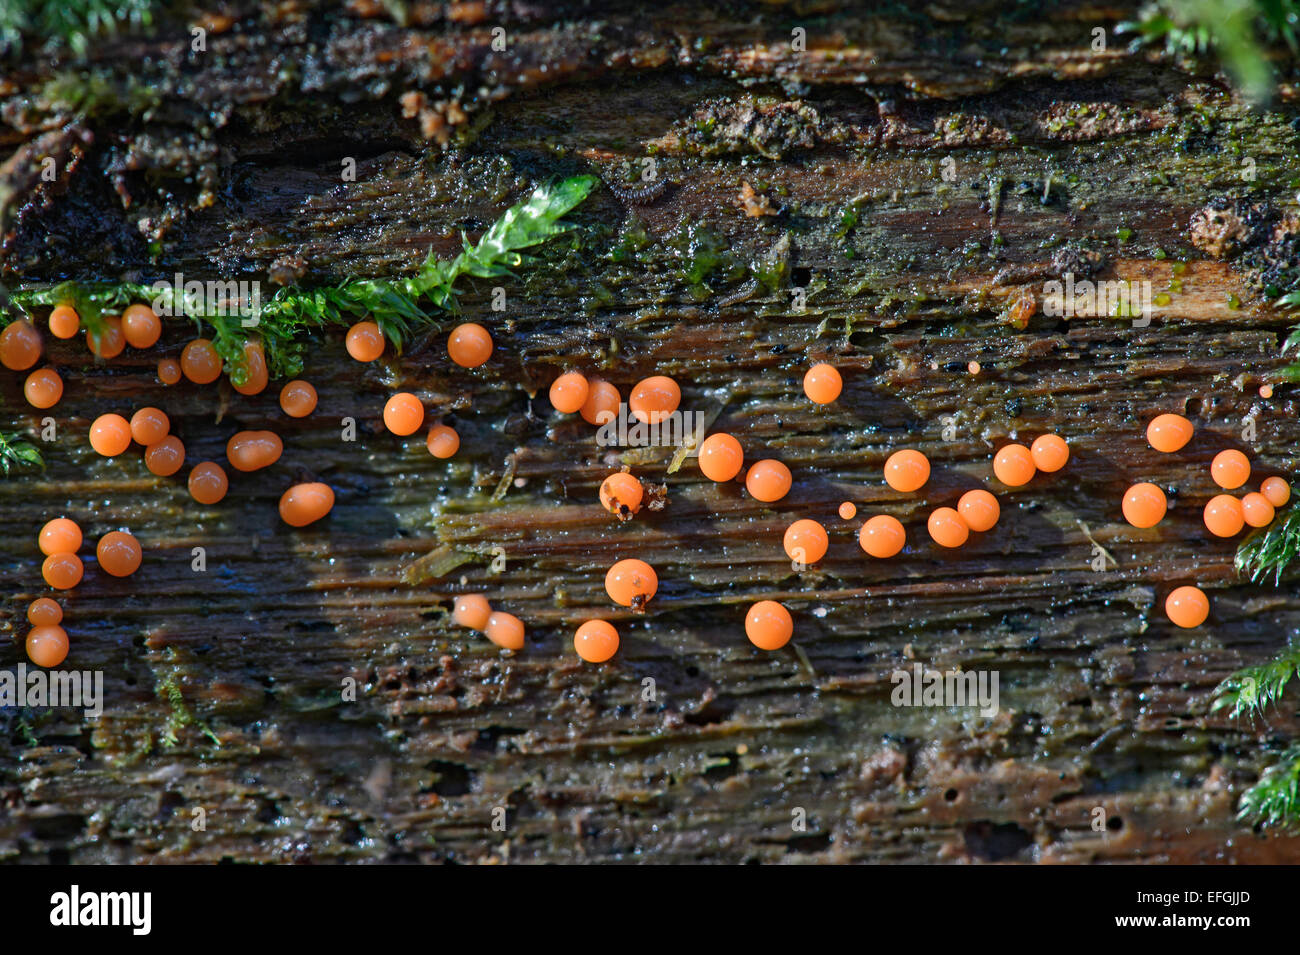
(819, 175)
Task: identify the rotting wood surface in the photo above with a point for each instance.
(908, 277)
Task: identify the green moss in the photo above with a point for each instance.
(1275, 799)
(702, 254)
(1250, 691)
(399, 306)
(17, 452)
(1271, 550)
(1236, 30)
(98, 93)
(168, 690)
(74, 24)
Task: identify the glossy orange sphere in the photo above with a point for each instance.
(140, 326)
(443, 441)
(596, 641)
(169, 371)
(200, 362)
(806, 541)
(569, 392)
(110, 342)
(1230, 469)
(59, 536)
(149, 426)
(505, 630)
(1014, 465)
(20, 345)
(602, 402)
(119, 554)
(471, 610)
(979, 509)
(907, 470)
(621, 494)
(1187, 607)
(364, 341)
(1169, 432)
(631, 583)
(43, 388)
(768, 480)
(848, 510)
(47, 646)
(44, 612)
(305, 504)
(403, 414)
(1257, 510)
(208, 483)
(1276, 490)
(822, 383)
(720, 457)
(62, 571)
(1144, 505)
(165, 457)
(64, 321)
(768, 625)
(110, 435)
(469, 345)
(1049, 452)
(946, 527)
(882, 536)
(1224, 516)
(654, 399)
(298, 398)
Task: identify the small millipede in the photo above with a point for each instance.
(639, 195)
(743, 294)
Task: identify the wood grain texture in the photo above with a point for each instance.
(909, 276)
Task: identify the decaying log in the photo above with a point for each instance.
(909, 177)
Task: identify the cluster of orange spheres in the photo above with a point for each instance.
(977, 510)
(469, 346)
(404, 415)
(118, 554)
(908, 470)
(47, 641)
(721, 458)
(504, 629)
(652, 400)
(595, 640)
(21, 345)
(1145, 505)
(1015, 465)
(1225, 515)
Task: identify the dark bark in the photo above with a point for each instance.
(1057, 152)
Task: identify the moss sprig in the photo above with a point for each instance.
(1238, 31)
(17, 452)
(1274, 801)
(1272, 549)
(73, 24)
(1249, 691)
(400, 307)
